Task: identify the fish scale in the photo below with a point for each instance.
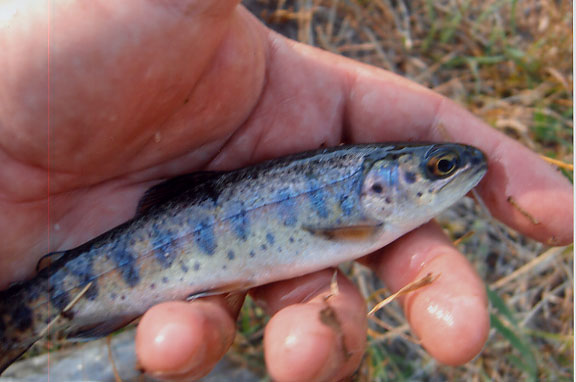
(210, 233)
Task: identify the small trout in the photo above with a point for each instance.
(215, 232)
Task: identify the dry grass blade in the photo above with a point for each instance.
(528, 216)
(558, 163)
(111, 359)
(463, 238)
(66, 309)
(418, 284)
(541, 260)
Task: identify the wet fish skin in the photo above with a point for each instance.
(209, 233)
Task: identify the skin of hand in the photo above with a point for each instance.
(101, 100)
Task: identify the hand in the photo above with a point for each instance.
(136, 92)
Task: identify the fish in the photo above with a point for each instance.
(210, 233)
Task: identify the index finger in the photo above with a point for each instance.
(381, 106)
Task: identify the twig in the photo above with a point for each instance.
(420, 283)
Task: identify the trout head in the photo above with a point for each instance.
(411, 184)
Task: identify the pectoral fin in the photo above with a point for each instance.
(346, 233)
(236, 286)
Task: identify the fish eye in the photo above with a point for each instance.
(443, 165)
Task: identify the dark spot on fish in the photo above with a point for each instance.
(252, 254)
(196, 266)
(152, 286)
(123, 297)
(67, 314)
(430, 191)
(224, 267)
(22, 317)
(270, 238)
(410, 177)
(419, 194)
(204, 236)
(184, 268)
(388, 200)
(113, 296)
(164, 280)
(231, 255)
(291, 239)
(263, 247)
(377, 188)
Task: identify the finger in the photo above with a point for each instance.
(309, 337)
(178, 339)
(386, 107)
(449, 316)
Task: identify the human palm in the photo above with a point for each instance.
(137, 92)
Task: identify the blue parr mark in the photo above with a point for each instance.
(349, 195)
(162, 242)
(270, 238)
(346, 204)
(204, 236)
(81, 267)
(236, 215)
(59, 297)
(390, 176)
(318, 202)
(126, 264)
(287, 208)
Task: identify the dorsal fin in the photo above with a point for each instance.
(48, 259)
(171, 188)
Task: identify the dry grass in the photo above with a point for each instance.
(509, 63)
